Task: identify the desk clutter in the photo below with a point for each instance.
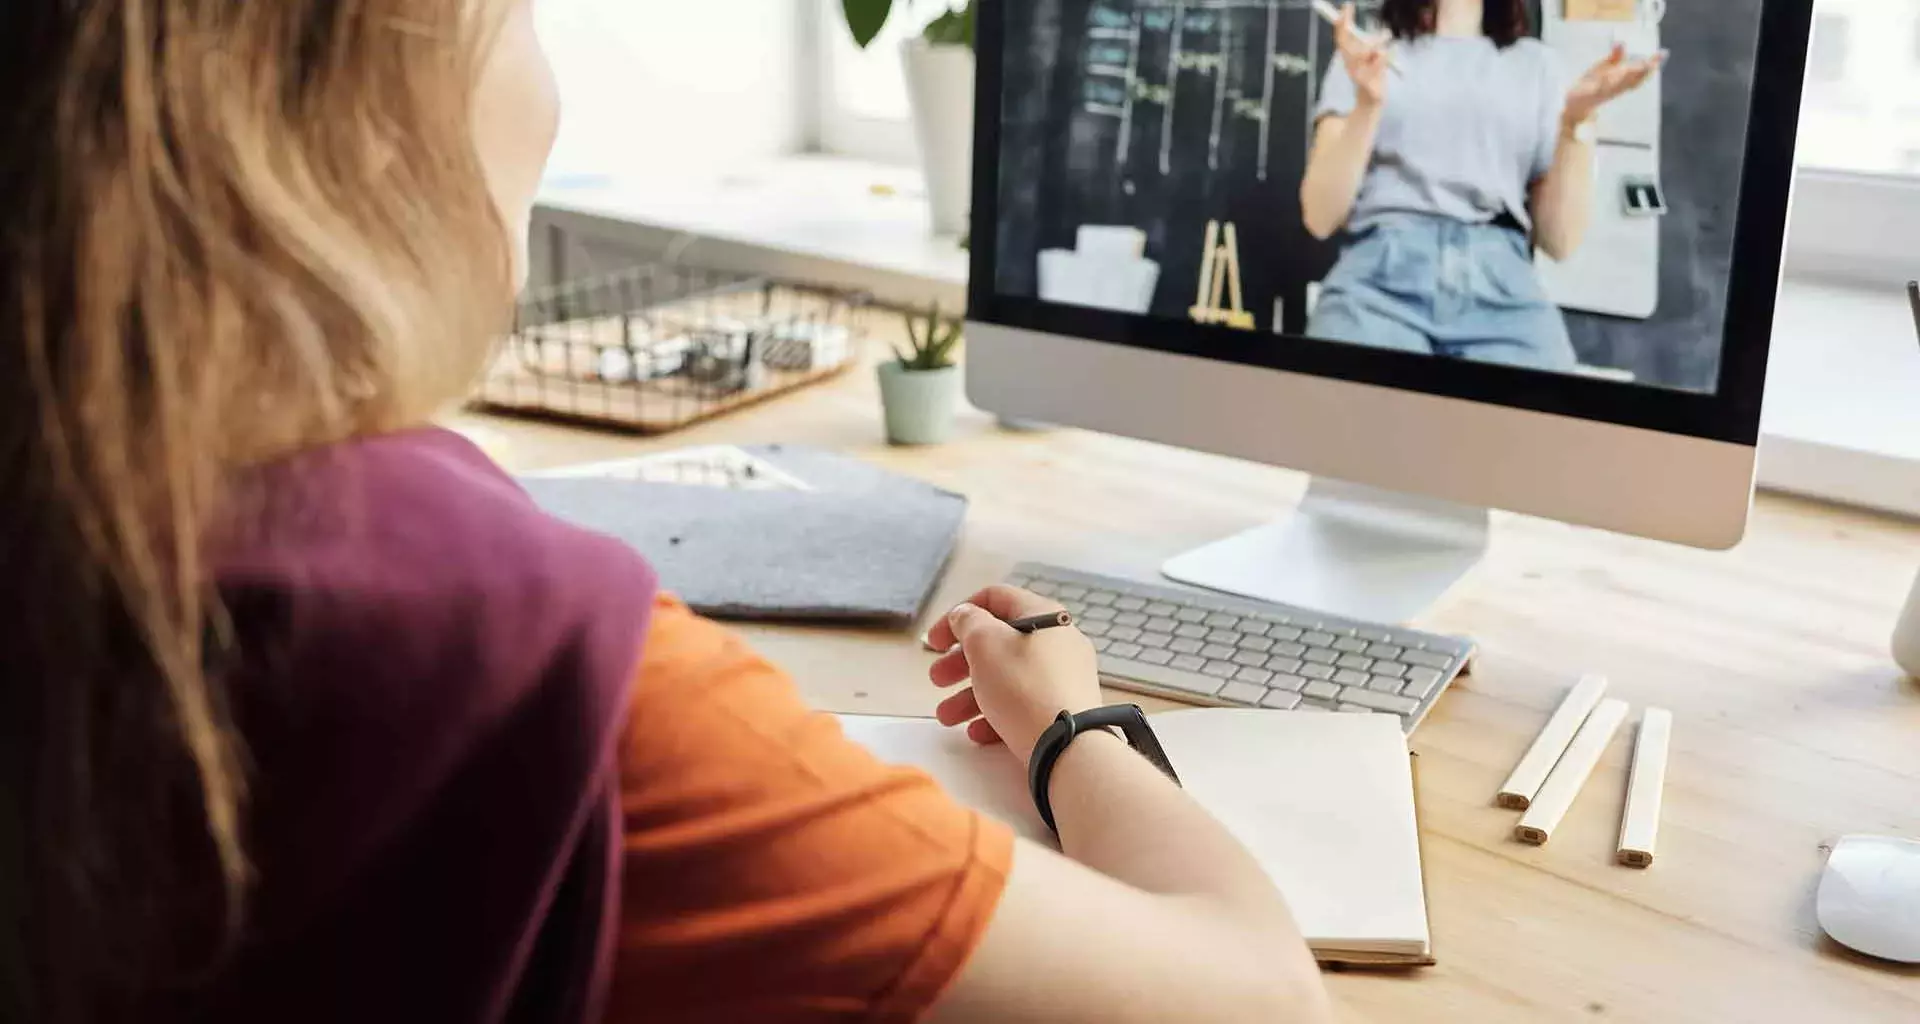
(769, 532)
(655, 348)
(1562, 758)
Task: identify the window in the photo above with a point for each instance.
(1827, 54)
(863, 93)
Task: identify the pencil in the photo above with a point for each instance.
(1571, 773)
(1640, 823)
(1036, 623)
(1531, 773)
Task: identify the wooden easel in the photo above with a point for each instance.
(1220, 272)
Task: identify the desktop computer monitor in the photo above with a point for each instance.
(1431, 270)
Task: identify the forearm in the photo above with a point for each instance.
(1563, 201)
(1118, 815)
(1343, 147)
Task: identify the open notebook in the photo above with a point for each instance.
(1324, 802)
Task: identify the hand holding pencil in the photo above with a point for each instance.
(1024, 663)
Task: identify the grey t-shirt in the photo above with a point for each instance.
(1468, 127)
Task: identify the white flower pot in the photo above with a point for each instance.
(1906, 634)
(919, 405)
(940, 89)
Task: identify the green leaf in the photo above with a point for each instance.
(954, 28)
(866, 18)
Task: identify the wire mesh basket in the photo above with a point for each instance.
(655, 348)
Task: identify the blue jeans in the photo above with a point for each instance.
(1439, 286)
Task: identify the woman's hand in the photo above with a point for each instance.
(1365, 57)
(1614, 76)
(1021, 683)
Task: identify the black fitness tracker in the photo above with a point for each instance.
(1128, 718)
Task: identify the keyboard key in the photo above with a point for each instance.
(1251, 659)
(1243, 693)
(1426, 659)
(1100, 643)
(1280, 700)
(1154, 639)
(1070, 593)
(1354, 709)
(1381, 701)
(1099, 613)
(1256, 643)
(1130, 619)
(1285, 633)
(1153, 657)
(1318, 639)
(1192, 629)
(1252, 627)
(1385, 684)
(1162, 608)
(1125, 650)
(1217, 652)
(1282, 663)
(1222, 669)
(1045, 588)
(1019, 581)
(1288, 682)
(1316, 671)
(1290, 650)
(1386, 652)
(1350, 645)
(1313, 705)
(1256, 676)
(1226, 637)
(1123, 633)
(1095, 627)
(1174, 678)
(1221, 620)
(1320, 690)
(1421, 682)
(1389, 668)
(1191, 615)
(1190, 663)
(1352, 661)
(1321, 656)
(1129, 603)
(1185, 645)
(1348, 677)
(1099, 597)
(1373, 635)
(1162, 624)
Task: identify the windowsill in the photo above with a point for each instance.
(1843, 381)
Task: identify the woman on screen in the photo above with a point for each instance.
(1444, 155)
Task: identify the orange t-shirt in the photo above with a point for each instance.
(775, 871)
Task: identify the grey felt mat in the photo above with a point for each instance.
(865, 545)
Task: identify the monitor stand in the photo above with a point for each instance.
(1349, 550)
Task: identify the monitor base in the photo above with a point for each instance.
(1349, 550)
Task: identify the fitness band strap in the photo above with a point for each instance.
(1128, 718)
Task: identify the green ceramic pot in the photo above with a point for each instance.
(919, 404)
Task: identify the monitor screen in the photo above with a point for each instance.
(1553, 187)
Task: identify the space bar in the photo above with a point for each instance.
(1161, 675)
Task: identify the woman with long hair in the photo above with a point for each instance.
(310, 715)
(1443, 156)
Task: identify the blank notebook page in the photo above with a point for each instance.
(1324, 802)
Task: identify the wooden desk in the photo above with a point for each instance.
(1793, 726)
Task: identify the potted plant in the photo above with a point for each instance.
(920, 387)
(939, 68)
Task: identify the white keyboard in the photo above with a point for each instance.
(1232, 652)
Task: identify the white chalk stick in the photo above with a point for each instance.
(1556, 796)
(1640, 823)
(1532, 770)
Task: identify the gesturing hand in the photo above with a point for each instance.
(1609, 79)
(1020, 683)
(1365, 57)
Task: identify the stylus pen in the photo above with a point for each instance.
(1036, 623)
(1913, 299)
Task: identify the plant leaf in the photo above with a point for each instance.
(866, 18)
(954, 28)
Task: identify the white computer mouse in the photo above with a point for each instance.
(1870, 897)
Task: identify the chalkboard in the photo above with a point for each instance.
(1165, 114)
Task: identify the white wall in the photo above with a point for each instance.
(676, 86)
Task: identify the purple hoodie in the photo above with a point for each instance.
(431, 679)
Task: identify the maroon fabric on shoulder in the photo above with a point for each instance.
(431, 679)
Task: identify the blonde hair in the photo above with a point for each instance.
(235, 229)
